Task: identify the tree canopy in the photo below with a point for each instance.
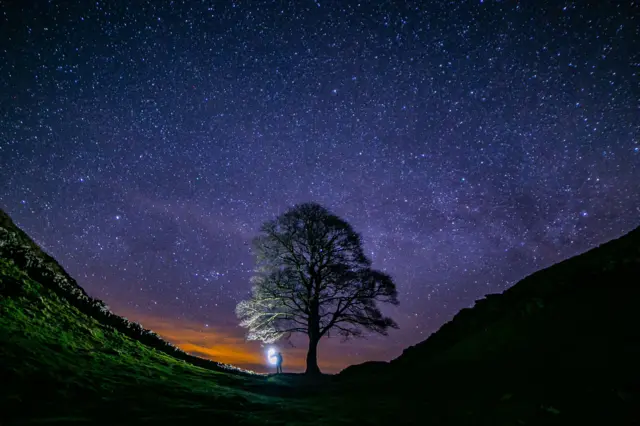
(312, 277)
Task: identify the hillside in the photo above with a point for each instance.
(563, 344)
(64, 359)
(566, 313)
(16, 246)
(64, 366)
(585, 303)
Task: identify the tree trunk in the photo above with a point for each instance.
(312, 357)
(314, 337)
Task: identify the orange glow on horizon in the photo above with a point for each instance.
(228, 346)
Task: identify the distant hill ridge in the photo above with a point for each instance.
(17, 247)
(614, 265)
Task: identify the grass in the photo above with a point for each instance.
(60, 366)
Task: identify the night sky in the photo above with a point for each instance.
(471, 143)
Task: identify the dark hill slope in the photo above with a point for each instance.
(574, 312)
(561, 345)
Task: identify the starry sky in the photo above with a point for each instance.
(471, 143)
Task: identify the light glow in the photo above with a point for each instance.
(271, 356)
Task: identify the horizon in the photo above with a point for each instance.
(470, 144)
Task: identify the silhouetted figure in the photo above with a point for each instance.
(278, 363)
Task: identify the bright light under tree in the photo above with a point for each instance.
(271, 356)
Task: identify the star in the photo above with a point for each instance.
(145, 150)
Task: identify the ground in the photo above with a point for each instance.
(60, 366)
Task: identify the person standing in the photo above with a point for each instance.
(278, 363)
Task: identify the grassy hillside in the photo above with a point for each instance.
(64, 367)
(16, 246)
(66, 359)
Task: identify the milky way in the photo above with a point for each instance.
(470, 143)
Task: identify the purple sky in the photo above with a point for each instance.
(470, 143)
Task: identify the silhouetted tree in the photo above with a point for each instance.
(313, 277)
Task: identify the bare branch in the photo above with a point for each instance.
(312, 277)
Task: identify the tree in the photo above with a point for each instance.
(313, 277)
